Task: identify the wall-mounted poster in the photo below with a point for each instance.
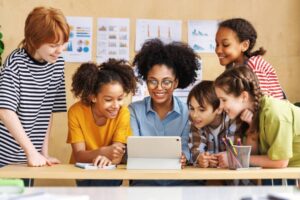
(166, 30)
(201, 35)
(112, 39)
(79, 47)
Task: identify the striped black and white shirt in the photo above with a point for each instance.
(33, 90)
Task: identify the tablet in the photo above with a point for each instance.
(154, 152)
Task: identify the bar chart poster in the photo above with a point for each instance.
(165, 30)
(112, 39)
(201, 35)
(79, 46)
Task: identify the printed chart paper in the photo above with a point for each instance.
(79, 47)
(201, 35)
(165, 30)
(112, 39)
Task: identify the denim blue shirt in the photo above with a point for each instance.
(146, 122)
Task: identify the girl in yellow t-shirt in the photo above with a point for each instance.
(98, 124)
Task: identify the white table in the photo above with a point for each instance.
(172, 193)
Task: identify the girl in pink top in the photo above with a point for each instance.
(235, 40)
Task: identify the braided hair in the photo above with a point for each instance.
(238, 79)
(244, 31)
(89, 78)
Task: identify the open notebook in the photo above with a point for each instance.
(154, 152)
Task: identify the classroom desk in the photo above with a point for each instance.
(171, 193)
(67, 171)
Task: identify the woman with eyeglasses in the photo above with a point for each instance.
(164, 67)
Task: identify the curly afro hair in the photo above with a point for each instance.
(177, 56)
(89, 78)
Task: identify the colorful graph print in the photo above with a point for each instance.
(165, 30)
(83, 32)
(80, 41)
(201, 35)
(112, 39)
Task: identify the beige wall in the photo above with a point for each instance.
(277, 24)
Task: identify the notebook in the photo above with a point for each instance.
(91, 166)
(154, 152)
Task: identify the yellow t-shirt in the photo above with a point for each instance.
(82, 127)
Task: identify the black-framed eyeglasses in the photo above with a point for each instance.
(165, 83)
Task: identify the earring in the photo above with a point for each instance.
(94, 100)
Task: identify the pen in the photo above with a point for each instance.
(231, 145)
(239, 142)
(230, 150)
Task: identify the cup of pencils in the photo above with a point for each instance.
(238, 156)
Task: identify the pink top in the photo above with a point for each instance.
(267, 77)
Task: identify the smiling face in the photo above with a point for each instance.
(228, 47)
(231, 104)
(201, 116)
(49, 52)
(108, 101)
(161, 82)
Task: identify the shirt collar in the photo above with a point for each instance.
(176, 107)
